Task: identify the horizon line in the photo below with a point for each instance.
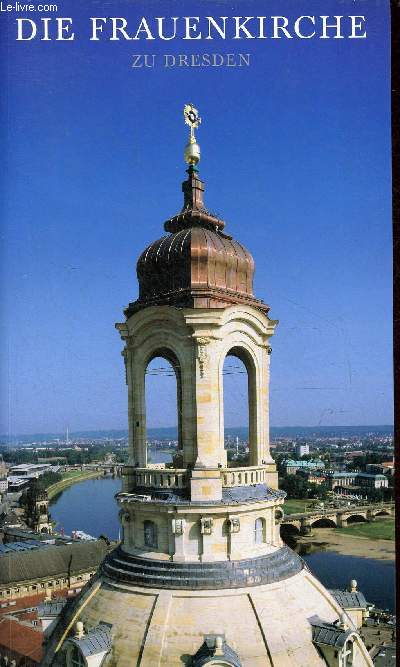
(155, 428)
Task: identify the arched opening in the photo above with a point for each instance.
(356, 518)
(163, 405)
(259, 531)
(323, 523)
(150, 534)
(75, 658)
(382, 513)
(239, 401)
(289, 532)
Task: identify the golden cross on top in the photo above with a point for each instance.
(192, 118)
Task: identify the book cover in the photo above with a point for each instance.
(215, 178)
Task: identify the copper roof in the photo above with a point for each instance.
(197, 265)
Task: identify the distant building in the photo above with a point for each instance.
(30, 569)
(3, 467)
(29, 469)
(365, 479)
(302, 450)
(291, 467)
(380, 468)
(16, 484)
(388, 467)
(3, 485)
(316, 477)
(353, 482)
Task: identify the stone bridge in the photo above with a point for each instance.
(114, 469)
(302, 523)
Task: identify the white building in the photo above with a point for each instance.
(302, 450)
(29, 469)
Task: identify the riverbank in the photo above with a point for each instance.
(69, 480)
(331, 539)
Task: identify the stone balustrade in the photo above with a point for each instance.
(175, 478)
(245, 476)
(153, 478)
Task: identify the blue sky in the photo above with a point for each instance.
(296, 159)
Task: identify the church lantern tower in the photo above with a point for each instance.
(196, 305)
(201, 576)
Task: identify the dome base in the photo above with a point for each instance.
(276, 566)
(262, 625)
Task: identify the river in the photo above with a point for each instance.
(90, 506)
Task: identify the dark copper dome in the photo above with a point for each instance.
(197, 265)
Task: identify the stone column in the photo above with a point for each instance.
(207, 404)
(138, 412)
(189, 450)
(206, 482)
(263, 413)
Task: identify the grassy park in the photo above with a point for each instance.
(72, 473)
(69, 478)
(382, 529)
(292, 506)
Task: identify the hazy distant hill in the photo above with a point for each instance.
(170, 433)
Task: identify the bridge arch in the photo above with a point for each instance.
(382, 512)
(324, 522)
(289, 529)
(356, 518)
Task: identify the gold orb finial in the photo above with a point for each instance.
(192, 149)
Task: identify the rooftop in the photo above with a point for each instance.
(13, 547)
(95, 641)
(329, 634)
(303, 464)
(51, 560)
(349, 600)
(21, 640)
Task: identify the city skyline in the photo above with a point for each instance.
(314, 208)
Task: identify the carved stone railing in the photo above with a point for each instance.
(245, 476)
(153, 478)
(176, 478)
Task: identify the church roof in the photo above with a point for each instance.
(51, 561)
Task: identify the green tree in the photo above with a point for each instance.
(295, 486)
